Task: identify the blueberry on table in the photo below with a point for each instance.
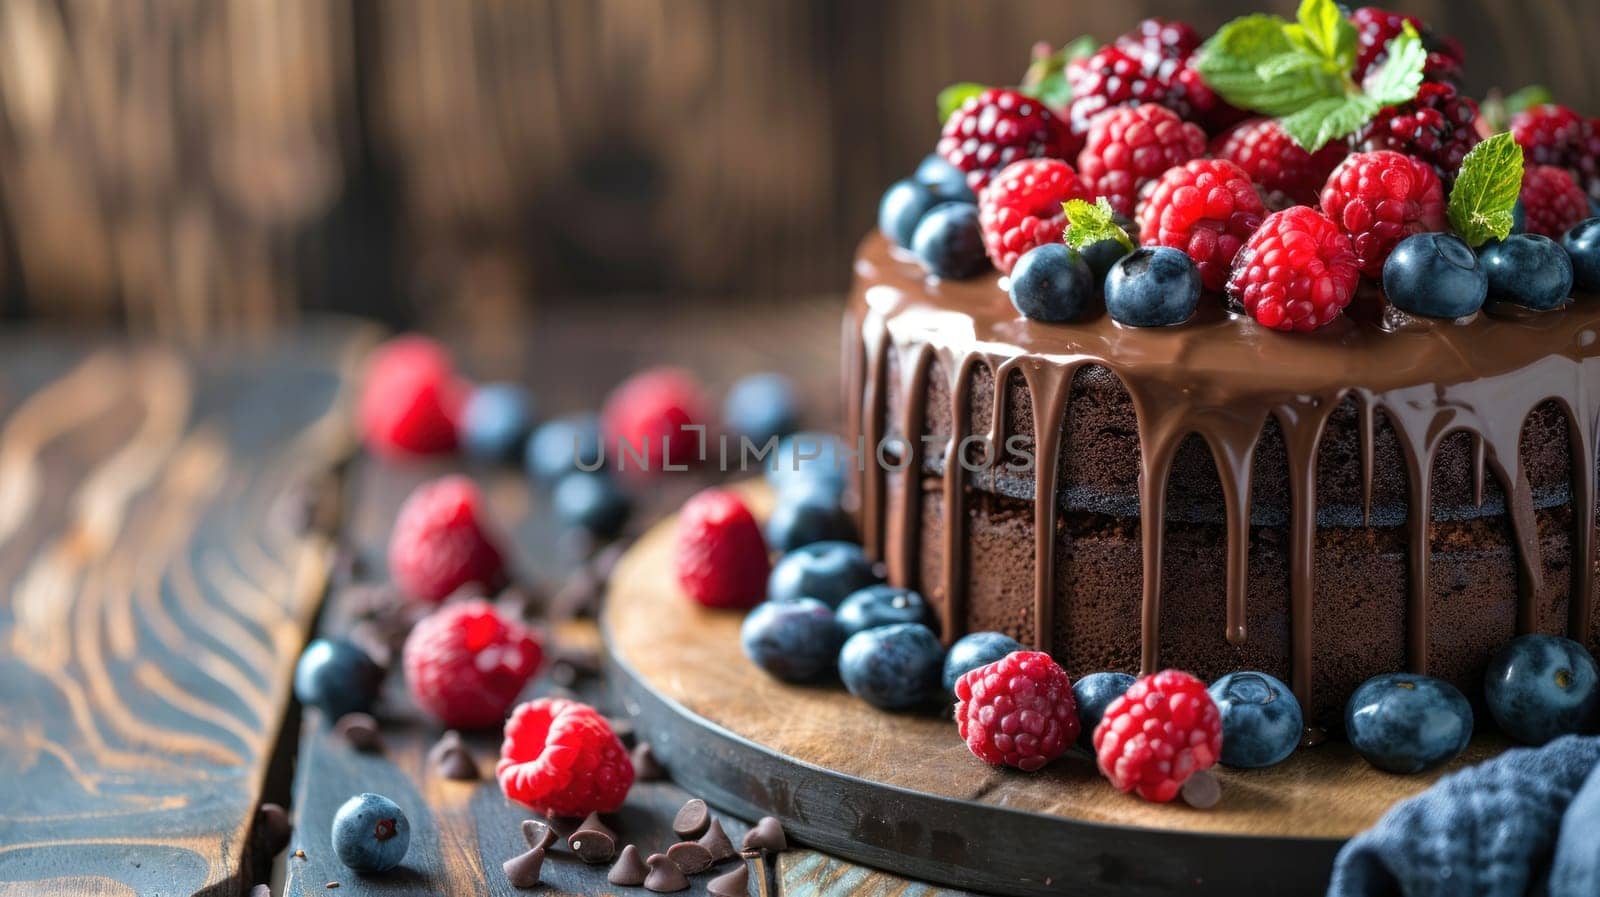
(808, 460)
(496, 420)
(804, 515)
(976, 649)
(1094, 693)
(1261, 719)
(1539, 687)
(946, 180)
(795, 641)
(882, 605)
(893, 667)
(1527, 269)
(1406, 723)
(826, 571)
(1582, 244)
(902, 206)
(761, 407)
(1153, 286)
(1052, 283)
(336, 677)
(1436, 276)
(948, 241)
(371, 833)
(592, 502)
(558, 446)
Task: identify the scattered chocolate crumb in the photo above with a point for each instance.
(665, 876)
(359, 731)
(629, 870)
(767, 835)
(716, 843)
(272, 829)
(646, 768)
(451, 759)
(538, 834)
(690, 856)
(733, 883)
(331, 885)
(522, 870)
(1203, 790)
(692, 820)
(299, 854)
(593, 842)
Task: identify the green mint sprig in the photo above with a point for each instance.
(1481, 202)
(1089, 223)
(1046, 77)
(1300, 72)
(951, 98)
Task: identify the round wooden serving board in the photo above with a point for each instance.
(901, 792)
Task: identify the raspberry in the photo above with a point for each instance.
(1207, 208)
(465, 664)
(1552, 200)
(1021, 208)
(721, 555)
(1111, 77)
(1381, 198)
(1192, 98)
(1018, 711)
(440, 544)
(1131, 145)
(560, 758)
(410, 399)
(1280, 167)
(998, 127)
(1160, 44)
(1376, 27)
(1296, 272)
(649, 414)
(1439, 127)
(1555, 135)
(1163, 730)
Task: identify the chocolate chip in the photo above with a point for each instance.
(1202, 791)
(564, 825)
(767, 835)
(692, 819)
(360, 732)
(450, 758)
(629, 870)
(522, 870)
(272, 829)
(690, 856)
(537, 834)
(665, 876)
(646, 768)
(716, 843)
(593, 842)
(733, 883)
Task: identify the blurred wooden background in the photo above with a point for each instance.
(194, 167)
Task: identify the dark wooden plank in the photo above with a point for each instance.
(155, 596)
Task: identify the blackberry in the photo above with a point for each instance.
(1438, 127)
(1376, 27)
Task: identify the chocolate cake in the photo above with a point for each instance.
(1374, 496)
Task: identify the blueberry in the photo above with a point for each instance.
(592, 502)
(804, 515)
(1052, 283)
(496, 420)
(1100, 256)
(946, 180)
(1582, 244)
(762, 407)
(1541, 686)
(826, 571)
(1407, 723)
(1519, 218)
(902, 206)
(1153, 286)
(371, 833)
(808, 460)
(559, 446)
(892, 667)
(1094, 693)
(949, 243)
(796, 641)
(1436, 276)
(977, 649)
(1527, 269)
(1261, 719)
(337, 677)
(882, 605)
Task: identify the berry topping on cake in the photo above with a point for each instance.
(1018, 711)
(1296, 272)
(1111, 77)
(1551, 200)
(1438, 127)
(1376, 27)
(1161, 45)
(721, 558)
(1153, 286)
(411, 399)
(1379, 199)
(1053, 283)
(1021, 208)
(1207, 208)
(441, 543)
(465, 663)
(1285, 172)
(1436, 276)
(560, 758)
(1551, 134)
(949, 241)
(1530, 270)
(1163, 730)
(648, 417)
(999, 126)
(1582, 244)
(1132, 145)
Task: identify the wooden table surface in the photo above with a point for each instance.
(171, 522)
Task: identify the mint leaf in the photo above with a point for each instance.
(951, 98)
(1328, 119)
(1323, 30)
(1089, 224)
(1527, 98)
(1486, 189)
(1400, 76)
(1254, 65)
(1046, 78)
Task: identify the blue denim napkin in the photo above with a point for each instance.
(1575, 871)
(1485, 831)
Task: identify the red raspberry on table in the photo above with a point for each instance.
(1552, 201)
(721, 556)
(997, 127)
(1021, 208)
(1208, 208)
(1555, 135)
(1296, 272)
(1376, 27)
(441, 543)
(1439, 127)
(1381, 198)
(1018, 711)
(1130, 145)
(1285, 172)
(465, 664)
(1163, 730)
(410, 399)
(560, 758)
(647, 417)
